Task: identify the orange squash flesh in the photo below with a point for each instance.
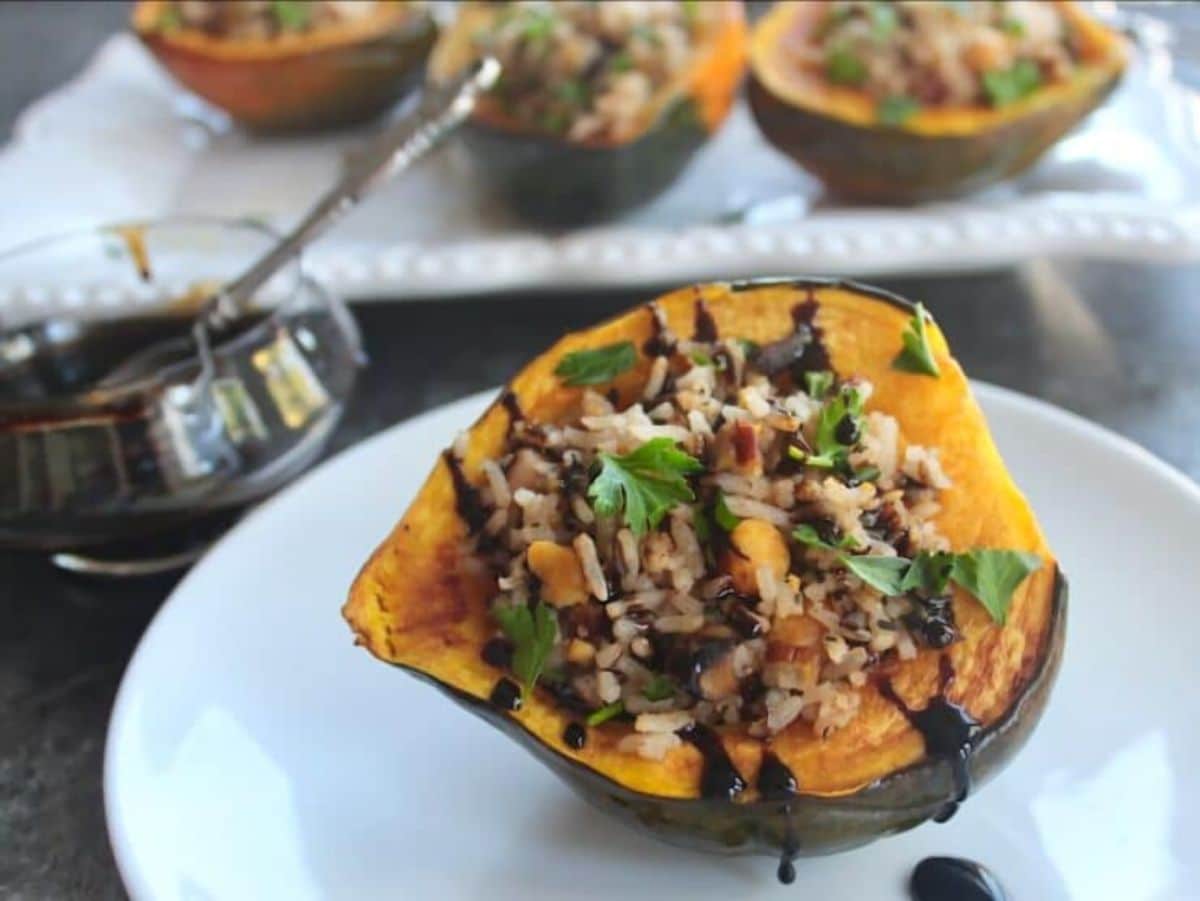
(421, 602)
(336, 75)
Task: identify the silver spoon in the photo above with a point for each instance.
(388, 154)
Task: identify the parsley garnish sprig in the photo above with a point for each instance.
(644, 484)
(916, 354)
(990, 576)
(532, 630)
(597, 366)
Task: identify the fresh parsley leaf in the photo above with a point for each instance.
(749, 348)
(930, 571)
(993, 575)
(843, 67)
(808, 535)
(722, 515)
(701, 526)
(646, 483)
(169, 19)
(620, 62)
(884, 20)
(555, 121)
(658, 689)
(916, 354)
(896, 110)
(817, 384)
(647, 34)
(598, 366)
(990, 576)
(291, 14)
(572, 92)
(866, 474)
(885, 574)
(536, 25)
(838, 428)
(691, 9)
(605, 713)
(1013, 26)
(532, 632)
(700, 358)
(1005, 86)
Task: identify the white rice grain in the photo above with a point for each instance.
(593, 573)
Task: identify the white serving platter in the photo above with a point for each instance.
(122, 142)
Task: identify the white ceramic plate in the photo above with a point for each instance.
(255, 753)
(122, 142)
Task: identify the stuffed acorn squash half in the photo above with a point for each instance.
(600, 105)
(912, 101)
(742, 566)
(291, 65)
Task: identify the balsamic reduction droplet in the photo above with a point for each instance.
(506, 695)
(954, 879)
(466, 497)
(847, 431)
(497, 652)
(510, 403)
(719, 778)
(775, 781)
(574, 736)
(786, 871)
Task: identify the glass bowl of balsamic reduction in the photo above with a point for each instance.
(89, 459)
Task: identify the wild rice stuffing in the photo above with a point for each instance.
(910, 53)
(719, 591)
(256, 19)
(590, 71)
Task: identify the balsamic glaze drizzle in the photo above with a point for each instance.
(954, 879)
(509, 401)
(949, 731)
(804, 316)
(506, 695)
(661, 343)
(777, 783)
(497, 652)
(466, 496)
(705, 326)
(574, 736)
(719, 778)
(775, 780)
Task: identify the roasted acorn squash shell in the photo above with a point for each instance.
(552, 181)
(333, 77)
(419, 604)
(834, 131)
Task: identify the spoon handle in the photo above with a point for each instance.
(393, 151)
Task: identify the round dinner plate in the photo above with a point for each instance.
(255, 753)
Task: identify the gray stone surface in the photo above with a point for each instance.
(1118, 344)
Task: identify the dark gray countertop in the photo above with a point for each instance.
(1118, 344)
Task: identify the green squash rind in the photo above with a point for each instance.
(892, 165)
(807, 825)
(554, 182)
